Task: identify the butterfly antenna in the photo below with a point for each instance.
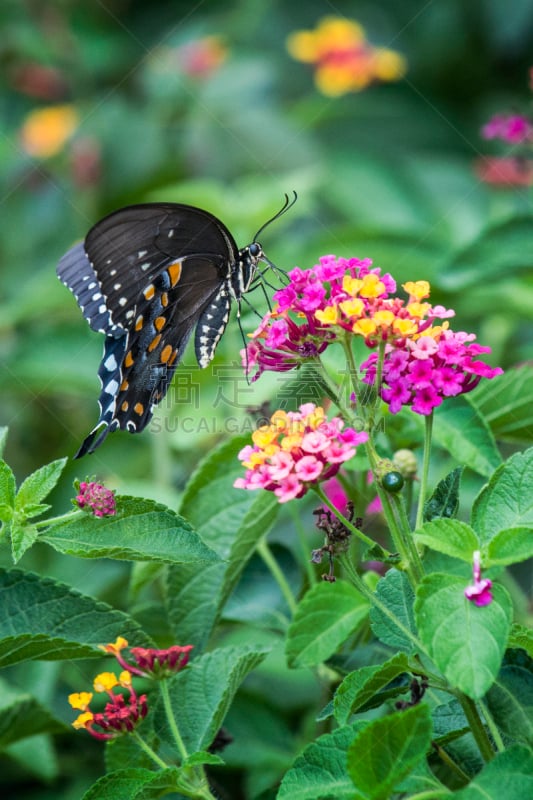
(285, 207)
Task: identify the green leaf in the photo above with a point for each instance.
(44, 619)
(508, 775)
(510, 547)
(463, 432)
(466, 642)
(385, 752)
(142, 530)
(449, 536)
(395, 625)
(39, 484)
(360, 688)
(502, 249)
(325, 617)
(8, 486)
(22, 538)
(444, 502)
(449, 722)
(521, 637)
(36, 755)
(510, 698)
(22, 715)
(134, 784)
(506, 501)
(35, 509)
(202, 694)
(320, 770)
(196, 595)
(203, 757)
(6, 513)
(3, 439)
(507, 404)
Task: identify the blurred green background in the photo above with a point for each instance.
(202, 104)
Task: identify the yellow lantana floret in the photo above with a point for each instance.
(405, 327)
(114, 647)
(418, 310)
(82, 720)
(351, 285)
(352, 308)
(328, 316)
(418, 290)
(80, 700)
(384, 318)
(105, 681)
(364, 327)
(372, 286)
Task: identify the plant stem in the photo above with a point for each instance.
(425, 471)
(491, 725)
(476, 726)
(407, 536)
(45, 523)
(346, 522)
(266, 554)
(450, 763)
(148, 750)
(173, 725)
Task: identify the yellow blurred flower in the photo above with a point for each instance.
(46, 130)
(345, 61)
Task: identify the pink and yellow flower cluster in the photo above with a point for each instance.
(296, 450)
(336, 297)
(119, 716)
(344, 59)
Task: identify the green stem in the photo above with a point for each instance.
(450, 763)
(266, 554)
(432, 794)
(45, 523)
(407, 536)
(148, 750)
(425, 471)
(173, 725)
(476, 726)
(493, 728)
(346, 522)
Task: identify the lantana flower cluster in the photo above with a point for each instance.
(344, 59)
(296, 450)
(119, 716)
(95, 498)
(150, 662)
(337, 296)
(425, 370)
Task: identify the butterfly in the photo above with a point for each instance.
(146, 276)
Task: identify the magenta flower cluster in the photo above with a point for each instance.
(510, 128)
(424, 371)
(94, 497)
(298, 449)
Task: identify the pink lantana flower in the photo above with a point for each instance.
(480, 591)
(296, 450)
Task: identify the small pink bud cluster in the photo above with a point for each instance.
(510, 128)
(296, 450)
(96, 498)
(150, 662)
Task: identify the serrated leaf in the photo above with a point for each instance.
(39, 484)
(8, 486)
(463, 432)
(510, 547)
(22, 715)
(386, 751)
(325, 617)
(507, 404)
(521, 637)
(466, 642)
(359, 688)
(44, 619)
(508, 775)
(444, 502)
(506, 501)
(449, 722)
(394, 623)
(35, 509)
(320, 770)
(133, 784)
(202, 694)
(510, 698)
(449, 536)
(22, 538)
(142, 530)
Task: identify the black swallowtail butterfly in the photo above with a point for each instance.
(146, 276)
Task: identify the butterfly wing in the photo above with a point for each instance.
(126, 250)
(137, 368)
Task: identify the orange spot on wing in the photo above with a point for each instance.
(174, 272)
(128, 361)
(166, 352)
(155, 341)
(125, 405)
(164, 299)
(159, 323)
(124, 385)
(149, 291)
(138, 408)
(139, 322)
(172, 358)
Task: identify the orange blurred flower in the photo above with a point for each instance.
(46, 130)
(345, 61)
